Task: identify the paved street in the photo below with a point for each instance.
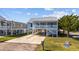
(25, 43)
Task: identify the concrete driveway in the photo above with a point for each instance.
(31, 39)
(7, 46)
(25, 43)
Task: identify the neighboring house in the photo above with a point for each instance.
(11, 27)
(46, 25)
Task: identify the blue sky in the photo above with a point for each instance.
(24, 14)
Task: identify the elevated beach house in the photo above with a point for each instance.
(11, 27)
(45, 25)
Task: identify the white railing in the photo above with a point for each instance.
(45, 26)
(9, 27)
(4, 27)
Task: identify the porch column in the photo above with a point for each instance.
(11, 27)
(16, 32)
(36, 30)
(6, 27)
(33, 31)
(23, 31)
(32, 28)
(11, 32)
(6, 32)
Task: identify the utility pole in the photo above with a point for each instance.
(57, 28)
(42, 43)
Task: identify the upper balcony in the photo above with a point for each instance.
(4, 27)
(45, 26)
(10, 27)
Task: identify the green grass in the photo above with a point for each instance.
(5, 38)
(57, 44)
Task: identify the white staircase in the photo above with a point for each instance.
(51, 32)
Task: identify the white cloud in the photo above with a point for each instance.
(57, 14)
(35, 14)
(60, 13)
(48, 9)
(18, 12)
(28, 13)
(75, 14)
(45, 15)
(73, 10)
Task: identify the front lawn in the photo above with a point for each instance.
(5, 38)
(57, 44)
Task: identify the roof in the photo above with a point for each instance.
(43, 19)
(2, 18)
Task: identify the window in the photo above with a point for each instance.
(31, 24)
(51, 23)
(42, 23)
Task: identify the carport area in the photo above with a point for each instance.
(41, 32)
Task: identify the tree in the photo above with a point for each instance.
(78, 26)
(68, 23)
